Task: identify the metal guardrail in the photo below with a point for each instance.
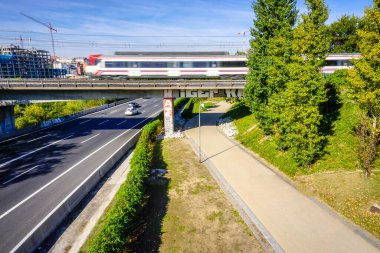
(127, 84)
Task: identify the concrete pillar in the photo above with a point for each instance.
(7, 119)
(168, 112)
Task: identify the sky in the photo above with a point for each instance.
(91, 27)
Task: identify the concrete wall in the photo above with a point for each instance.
(7, 119)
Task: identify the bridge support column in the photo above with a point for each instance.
(7, 119)
(168, 112)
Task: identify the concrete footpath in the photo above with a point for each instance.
(296, 222)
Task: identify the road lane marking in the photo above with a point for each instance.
(75, 190)
(90, 138)
(10, 180)
(143, 112)
(113, 111)
(103, 122)
(38, 138)
(155, 106)
(71, 168)
(118, 124)
(32, 152)
(85, 121)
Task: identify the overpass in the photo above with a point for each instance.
(24, 91)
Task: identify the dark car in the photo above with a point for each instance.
(133, 105)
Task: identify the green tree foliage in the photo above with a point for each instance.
(305, 92)
(365, 81)
(270, 53)
(35, 114)
(343, 36)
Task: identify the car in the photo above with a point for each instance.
(133, 104)
(131, 111)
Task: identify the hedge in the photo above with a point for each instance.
(113, 232)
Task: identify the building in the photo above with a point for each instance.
(16, 62)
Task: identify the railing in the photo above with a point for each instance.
(126, 84)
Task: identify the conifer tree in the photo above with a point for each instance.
(270, 53)
(365, 81)
(306, 92)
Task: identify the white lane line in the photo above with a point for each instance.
(10, 180)
(90, 138)
(70, 169)
(143, 112)
(103, 122)
(113, 111)
(118, 124)
(85, 121)
(75, 190)
(155, 105)
(34, 151)
(38, 138)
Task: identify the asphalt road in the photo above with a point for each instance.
(37, 171)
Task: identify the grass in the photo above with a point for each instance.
(335, 178)
(192, 107)
(351, 194)
(194, 215)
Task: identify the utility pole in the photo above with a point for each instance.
(201, 105)
(51, 29)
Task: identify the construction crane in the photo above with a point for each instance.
(48, 26)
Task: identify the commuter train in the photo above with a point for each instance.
(186, 65)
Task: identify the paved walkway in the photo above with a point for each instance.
(296, 222)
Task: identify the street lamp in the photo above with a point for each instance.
(199, 134)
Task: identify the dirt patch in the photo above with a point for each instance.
(190, 213)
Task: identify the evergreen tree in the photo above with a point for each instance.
(365, 81)
(305, 92)
(271, 51)
(343, 36)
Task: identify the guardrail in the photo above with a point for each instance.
(124, 84)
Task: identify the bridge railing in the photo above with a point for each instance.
(85, 83)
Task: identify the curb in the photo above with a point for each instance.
(265, 239)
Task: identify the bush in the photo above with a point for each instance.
(127, 202)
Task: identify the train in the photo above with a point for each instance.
(182, 65)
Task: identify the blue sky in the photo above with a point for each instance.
(128, 21)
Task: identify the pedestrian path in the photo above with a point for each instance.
(296, 222)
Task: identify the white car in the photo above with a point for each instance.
(131, 111)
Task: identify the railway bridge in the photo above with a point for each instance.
(30, 91)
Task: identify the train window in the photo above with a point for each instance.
(115, 64)
(345, 63)
(153, 64)
(186, 64)
(232, 64)
(133, 64)
(200, 64)
(173, 64)
(330, 63)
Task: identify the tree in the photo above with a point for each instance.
(343, 36)
(270, 53)
(365, 81)
(305, 92)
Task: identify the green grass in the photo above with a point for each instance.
(192, 107)
(335, 178)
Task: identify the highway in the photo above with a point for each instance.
(38, 171)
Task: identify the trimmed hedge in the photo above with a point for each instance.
(117, 224)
